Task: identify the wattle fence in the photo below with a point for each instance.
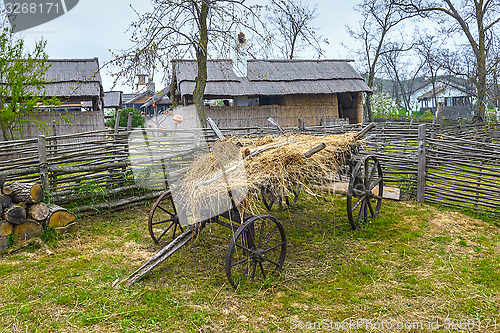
(93, 172)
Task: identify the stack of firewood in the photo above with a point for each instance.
(24, 215)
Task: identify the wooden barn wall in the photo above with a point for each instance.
(80, 121)
(313, 111)
(312, 100)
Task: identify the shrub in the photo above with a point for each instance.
(137, 118)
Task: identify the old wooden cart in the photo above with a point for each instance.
(258, 244)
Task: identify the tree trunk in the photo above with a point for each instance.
(38, 212)
(28, 230)
(201, 60)
(25, 192)
(14, 214)
(5, 228)
(59, 217)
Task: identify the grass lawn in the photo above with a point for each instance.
(416, 265)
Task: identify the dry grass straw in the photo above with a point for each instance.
(281, 168)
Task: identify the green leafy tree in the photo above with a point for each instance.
(137, 118)
(22, 85)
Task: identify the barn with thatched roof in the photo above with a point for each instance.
(77, 84)
(318, 91)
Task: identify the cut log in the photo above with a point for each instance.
(3, 178)
(38, 212)
(59, 217)
(25, 192)
(14, 214)
(5, 228)
(4, 244)
(69, 229)
(28, 230)
(5, 200)
(6, 190)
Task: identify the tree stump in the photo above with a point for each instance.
(5, 228)
(38, 212)
(14, 214)
(28, 230)
(59, 217)
(24, 192)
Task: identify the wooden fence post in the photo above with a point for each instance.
(44, 169)
(129, 121)
(117, 120)
(421, 163)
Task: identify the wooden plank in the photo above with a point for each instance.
(392, 193)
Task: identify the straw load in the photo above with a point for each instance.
(240, 166)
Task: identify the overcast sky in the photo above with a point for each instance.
(94, 27)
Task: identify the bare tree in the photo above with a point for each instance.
(380, 17)
(292, 21)
(475, 19)
(433, 55)
(403, 68)
(175, 29)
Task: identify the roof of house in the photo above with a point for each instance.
(161, 97)
(444, 82)
(131, 98)
(71, 78)
(113, 99)
(271, 77)
(447, 80)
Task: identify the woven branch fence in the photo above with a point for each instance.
(94, 172)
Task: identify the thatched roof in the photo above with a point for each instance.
(74, 78)
(271, 77)
(113, 99)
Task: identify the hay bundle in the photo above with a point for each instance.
(241, 165)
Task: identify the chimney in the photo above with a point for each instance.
(141, 82)
(151, 84)
(240, 56)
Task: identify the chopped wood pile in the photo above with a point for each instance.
(24, 215)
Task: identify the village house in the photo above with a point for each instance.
(318, 91)
(457, 96)
(113, 100)
(77, 84)
(159, 103)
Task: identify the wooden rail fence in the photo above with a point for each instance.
(450, 165)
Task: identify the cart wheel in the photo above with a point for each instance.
(163, 222)
(257, 247)
(361, 201)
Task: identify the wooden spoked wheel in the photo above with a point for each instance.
(364, 194)
(256, 249)
(269, 197)
(163, 222)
